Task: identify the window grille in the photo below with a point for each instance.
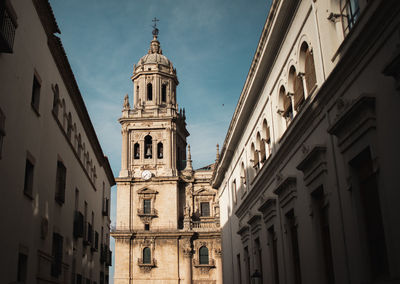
(203, 255)
(146, 256)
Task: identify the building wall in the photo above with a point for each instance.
(315, 160)
(42, 136)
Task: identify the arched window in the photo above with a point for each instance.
(261, 146)
(149, 92)
(254, 153)
(56, 98)
(69, 126)
(160, 150)
(203, 255)
(234, 191)
(286, 103)
(306, 56)
(267, 136)
(296, 82)
(164, 93)
(136, 151)
(148, 147)
(146, 255)
(243, 176)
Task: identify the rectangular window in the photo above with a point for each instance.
(28, 184)
(22, 268)
(35, 100)
(273, 254)
(146, 206)
(60, 182)
(259, 258)
(294, 243)
(324, 231)
(2, 130)
(350, 11)
(57, 254)
(371, 213)
(205, 209)
(239, 268)
(247, 261)
(147, 227)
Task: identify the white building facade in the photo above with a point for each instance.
(54, 178)
(307, 174)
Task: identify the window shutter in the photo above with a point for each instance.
(267, 135)
(286, 104)
(298, 91)
(310, 76)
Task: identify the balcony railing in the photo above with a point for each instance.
(209, 224)
(211, 263)
(148, 212)
(8, 24)
(151, 264)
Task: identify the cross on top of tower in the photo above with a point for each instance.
(155, 30)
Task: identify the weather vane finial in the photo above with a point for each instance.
(155, 30)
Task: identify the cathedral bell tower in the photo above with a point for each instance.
(167, 224)
(154, 131)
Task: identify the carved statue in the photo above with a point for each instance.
(126, 103)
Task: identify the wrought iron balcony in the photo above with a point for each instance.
(8, 24)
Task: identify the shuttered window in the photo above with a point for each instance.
(298, 97)
(310, 76)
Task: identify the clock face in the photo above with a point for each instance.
(146, 175)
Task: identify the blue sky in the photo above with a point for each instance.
(210, 42)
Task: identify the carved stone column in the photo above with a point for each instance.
(187, 256)
(124, 153)
(218, 263)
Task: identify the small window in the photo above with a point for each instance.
(164, 93)
(149, 92)
(147, 227)
(148, 146)
(242, 176)
(56, 99)
(136, 151)
(160, 150)
(60, 182)
(146, 256)
(57, 254)
(35, 100)
(205, 209)
(147, 206)
(234, 191)
(22, 268)
(203, 255)
(2, 131)
(28, 184)
(350, 11)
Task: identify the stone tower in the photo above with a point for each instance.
(167, 228)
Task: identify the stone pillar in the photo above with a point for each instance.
(218, 263)
(187, 255)
(124, 153)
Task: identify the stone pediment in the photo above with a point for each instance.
(204, 191)
(146, 190)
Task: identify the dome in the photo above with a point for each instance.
(154, 58)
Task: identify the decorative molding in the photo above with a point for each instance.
(286, 191)
(268, 209)
(314, 166)
(354, 121)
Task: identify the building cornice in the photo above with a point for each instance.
(50, 26)
(278, 21)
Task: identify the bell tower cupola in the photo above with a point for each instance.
(154, 78)
(153, 129)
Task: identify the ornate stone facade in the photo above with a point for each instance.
(167, 228)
